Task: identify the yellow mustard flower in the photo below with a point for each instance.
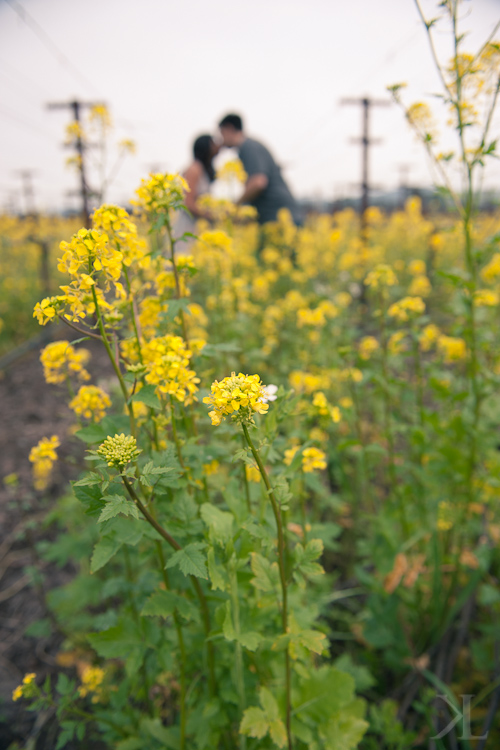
(90, 402)
(452, 348)
(43, 456)
(486, 298)
(26, 689)
(238, 396)
(404, 308)
(252, 473)
(60, 360)
(312, 459)
(367, 346)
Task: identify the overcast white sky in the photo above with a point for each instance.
(169, 69)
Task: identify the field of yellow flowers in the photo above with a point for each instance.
(29, 248)
(288, 534)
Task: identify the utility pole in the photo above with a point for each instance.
(366, 142)
(26, 176)
(404, 171)
(85, 192)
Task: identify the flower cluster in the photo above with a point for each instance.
(367, 346)
(238, 396)
(27, 689)
(90, 402)
(381, 277)
(61, 360)
(119, 450)
(161, 193)
(167, 361)
(43, 456)
(92, 679)
(313, 458)
(406, 307)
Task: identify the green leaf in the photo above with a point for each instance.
(164, 603)
(94, 433)
(190, 560)
(90, 497)
(168, 736)
(227, 626)
(104, 550)
(254, 723)
(131, 743)
(304, 558)
(219, 522)
(147, 395)
(266, 574)
(249, 640)
(116, 504)
(313, 640)
(218, 575)
(258, 722)
(117, 641)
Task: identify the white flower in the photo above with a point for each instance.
(270, 393)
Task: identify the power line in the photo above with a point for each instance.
(49, 44)
(16, 118)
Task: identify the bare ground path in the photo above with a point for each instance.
(29, 410)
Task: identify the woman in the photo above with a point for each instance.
(199, 176)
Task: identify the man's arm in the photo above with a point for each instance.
(255, 185)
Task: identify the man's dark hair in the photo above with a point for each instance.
(234, 121)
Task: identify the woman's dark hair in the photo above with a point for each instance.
(202, 151)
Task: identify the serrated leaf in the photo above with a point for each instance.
(89, 481)
(104, 550)
(219, 522)
(258, 722)
(116, 504)
(254, 723)
(190, 560)
(265, 573)
(313, 640)
(90, 497)
(164, 603)
(250, 640)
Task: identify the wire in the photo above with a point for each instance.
(303, 142)
(13, 116)
(49, 44)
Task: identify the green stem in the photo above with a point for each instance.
(284, 588)
(182, 649)
(135, 613)
(114, 363)
(240, 681)
(205, 613)
(132, 311)
(175, 433)
(177, 283)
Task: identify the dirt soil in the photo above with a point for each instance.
(30, 410)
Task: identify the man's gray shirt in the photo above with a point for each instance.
(257, 160)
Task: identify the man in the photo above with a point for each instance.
(265, 187)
